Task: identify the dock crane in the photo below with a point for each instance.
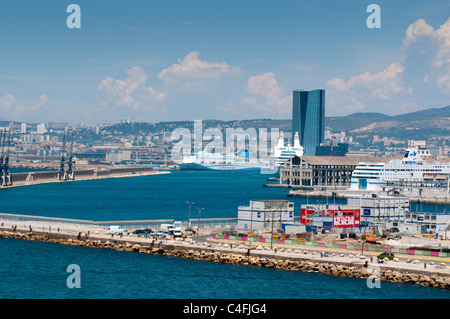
(2, 172)
(6, 178)
(66, 173)
(70, 173)
(62, 169)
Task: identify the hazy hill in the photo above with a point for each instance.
(414, 125)
(434, 112)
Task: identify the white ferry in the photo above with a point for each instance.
(267, 165)
(213, 161)
(411, 169)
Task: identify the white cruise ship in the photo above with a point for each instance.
(283, 153)
(267, 165)
(411, 169)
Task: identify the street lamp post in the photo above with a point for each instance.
(189, 216)
(198, 222)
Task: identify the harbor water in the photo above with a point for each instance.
(39, 270)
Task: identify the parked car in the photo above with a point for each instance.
(394, 230)
(387, 255)
(190, 230)
(143, 232)
(177, 233)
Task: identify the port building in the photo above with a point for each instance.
(265, 215)
(328, 171)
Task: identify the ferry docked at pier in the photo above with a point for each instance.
(411, 169)
(270, 164)
(212, 161)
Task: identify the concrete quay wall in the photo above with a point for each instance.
(40, 177)
(291, 260)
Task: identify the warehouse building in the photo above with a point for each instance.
(311, 171)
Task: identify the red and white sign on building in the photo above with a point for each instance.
(346, 218)
(341, 216)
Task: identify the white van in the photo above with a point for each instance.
(115, 229)
(166, 227)
(177, 229)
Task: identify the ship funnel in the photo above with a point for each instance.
(296, 141)
(281, 140)
(412, 155)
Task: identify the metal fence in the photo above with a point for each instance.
(41, 223)
(216, 223)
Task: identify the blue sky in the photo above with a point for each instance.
(183, 60)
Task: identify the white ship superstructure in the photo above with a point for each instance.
(411, 169)
(282, 153)
(213, 161)
(266, 164)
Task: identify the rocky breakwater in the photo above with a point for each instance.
(290, 261)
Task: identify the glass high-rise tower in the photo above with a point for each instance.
(308, 118)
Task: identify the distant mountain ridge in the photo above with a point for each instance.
(368, 115)
(433, 112)
(414, 125)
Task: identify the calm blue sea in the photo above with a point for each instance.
(39, 270)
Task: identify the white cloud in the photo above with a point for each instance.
(193, 73)
(356, 93)
(189, 75)
(417, 30)
(132, 92)
(432, 48)
(338, 84)
(267, 96)
(7, 101)
(11, 109)
(43, 99)
(386, 81)
(402, 86)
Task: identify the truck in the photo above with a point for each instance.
(177, 229)
(167, 229)
(115, 229)
(177, 225)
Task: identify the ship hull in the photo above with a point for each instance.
(217, 167)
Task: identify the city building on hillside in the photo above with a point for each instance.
(116, 156)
